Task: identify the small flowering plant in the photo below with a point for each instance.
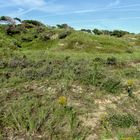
(127, 138)
(130, 87)
(104, 121)
(62, 100)
(130, 82)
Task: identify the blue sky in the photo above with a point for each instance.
(103, 14)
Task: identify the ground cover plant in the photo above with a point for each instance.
(57, 83)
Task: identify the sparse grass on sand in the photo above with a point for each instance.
(74, 88)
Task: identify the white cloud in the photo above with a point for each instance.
(29, 3)
(105, 8)
(20, 10)
(25, 11)
(27, 6)
(109, 6)
(115, 3)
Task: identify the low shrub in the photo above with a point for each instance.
(18, 62)
(33, 22)
(29, 74)
(112, 85)
(111, 61)
(131, 73)
(45, 36)
(3, 64)
(40, 29)
(10, 30)
(122, 120)
(27, 38)
(63, 35)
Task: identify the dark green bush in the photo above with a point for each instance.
(46, 71)
(40, 29)
(131, 73)
(130, 50)
(97, 32)
(7, 20)
(98, 59)
(89, 73)
(30, 74)
(10, 30)
(86, 30)
(122, 121)
(18, 62)
(119, 33)
(112, 85)
(111, 61)
(64, 26)
(45, 36)
(63, 35)
(3, 64)
(33, 22)
(27, 38)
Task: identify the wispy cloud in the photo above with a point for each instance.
(25, 11)
(132, 7)
(115, 3)
(29, 3)
(106, 8)
(24, 4)
(109, 6)
(56, 9)
(27, 6)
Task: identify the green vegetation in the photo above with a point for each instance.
(57, 83)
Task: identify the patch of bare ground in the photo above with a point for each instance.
(93, 119)
(134, 64)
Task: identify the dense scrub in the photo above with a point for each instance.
(58, 83)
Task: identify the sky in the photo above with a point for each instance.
(102, 14)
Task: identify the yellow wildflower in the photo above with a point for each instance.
(127, 138)
(130, 82)
(103, 119)
(103, 116)
(62, 100)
